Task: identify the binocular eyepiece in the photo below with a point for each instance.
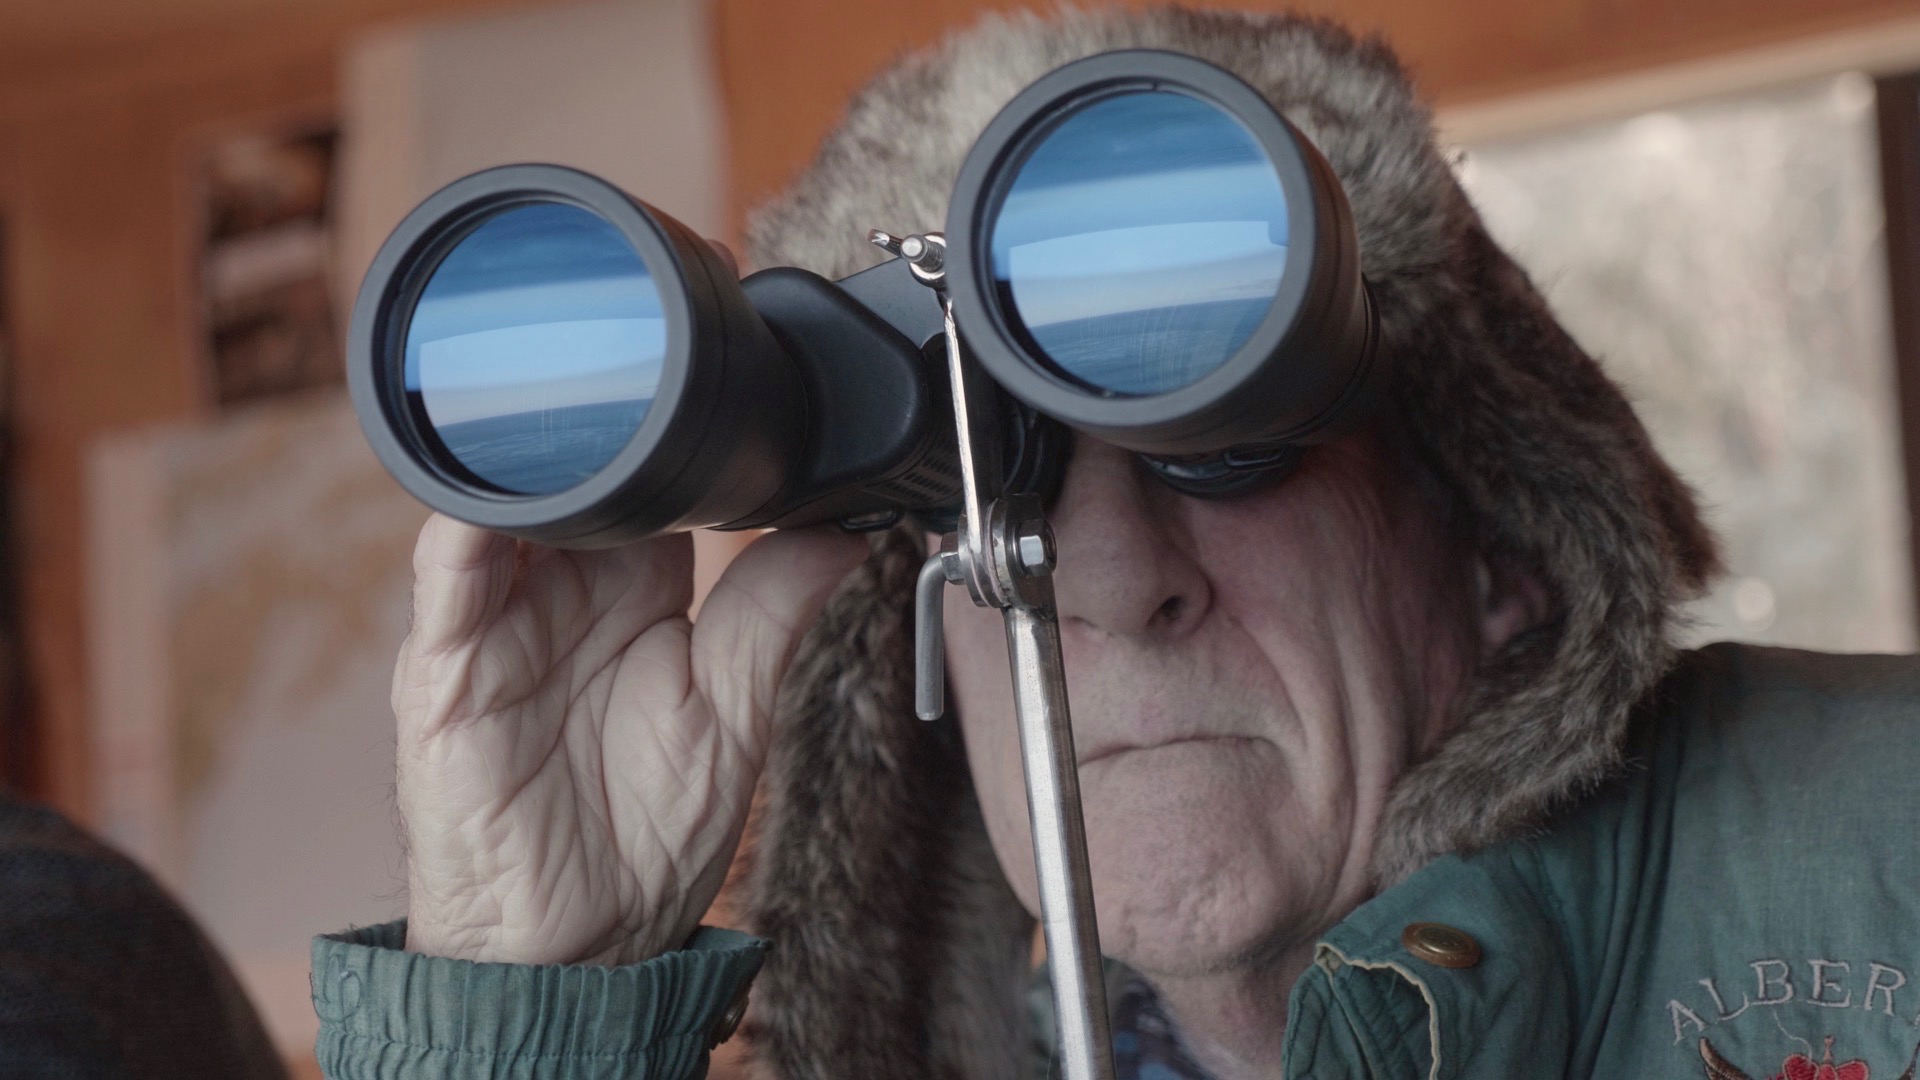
(1138, 247)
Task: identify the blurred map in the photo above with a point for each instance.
(1726, 263)
(251, 579)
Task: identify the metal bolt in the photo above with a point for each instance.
(925, 253)
(1034, 548)
(927, 256)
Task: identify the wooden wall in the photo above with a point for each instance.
(788, 65)
(100, 228)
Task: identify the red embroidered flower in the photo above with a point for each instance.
(1802, 1067)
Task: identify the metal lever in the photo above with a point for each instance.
(929, 637)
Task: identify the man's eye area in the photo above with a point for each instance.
(1237, 470)
(1038, 450)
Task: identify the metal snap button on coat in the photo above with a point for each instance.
(729, 1021)
(1441, 945)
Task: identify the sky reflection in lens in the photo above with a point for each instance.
(537, 346)
(1142, 241)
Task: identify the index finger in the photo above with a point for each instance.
(461, 576)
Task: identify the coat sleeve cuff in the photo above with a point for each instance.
(385, 1012)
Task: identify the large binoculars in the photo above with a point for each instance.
(1138, 247)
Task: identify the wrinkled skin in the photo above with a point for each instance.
(1248, 677)
(576, 757)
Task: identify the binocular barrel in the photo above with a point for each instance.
(537, 352)
(1140, 248)
(1143, 249)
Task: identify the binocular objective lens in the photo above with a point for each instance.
(1140, 242)
(536, 348)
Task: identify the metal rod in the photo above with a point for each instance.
(980, 469)
(1059, 842)
(973, 472)
(1004, 555)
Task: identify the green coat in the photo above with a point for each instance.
(1749, 893)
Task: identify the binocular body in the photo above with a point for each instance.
(1138, 248)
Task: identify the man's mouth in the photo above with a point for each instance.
(1104, 750)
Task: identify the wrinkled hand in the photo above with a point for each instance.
(576, 757)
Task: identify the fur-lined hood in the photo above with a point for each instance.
(901, 950)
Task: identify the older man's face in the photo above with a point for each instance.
(1248, 677)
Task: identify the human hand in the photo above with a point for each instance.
(575, 756)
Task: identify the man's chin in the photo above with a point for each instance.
(1180, 946)
(1183, 842)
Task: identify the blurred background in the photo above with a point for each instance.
(203, 573)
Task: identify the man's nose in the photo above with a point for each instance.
(1125, 562)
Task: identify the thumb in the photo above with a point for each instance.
(753, 620)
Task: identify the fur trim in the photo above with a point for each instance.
(901, 949)
(869, 874)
